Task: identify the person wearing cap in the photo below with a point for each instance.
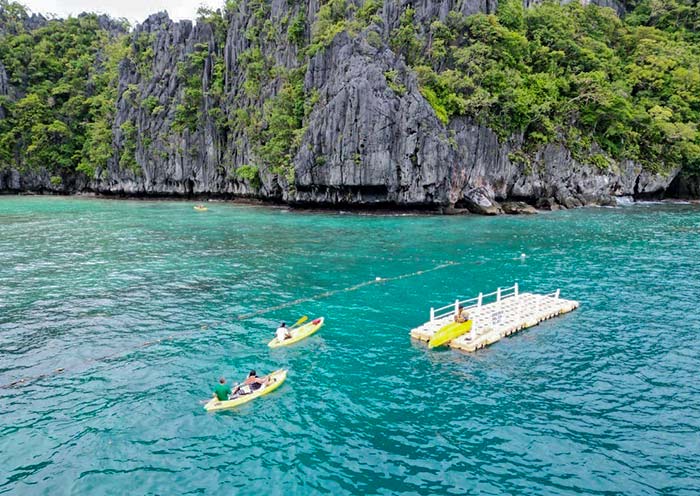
(222, 390)
(282, 332)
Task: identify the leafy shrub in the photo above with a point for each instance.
(404, 39)
(367, 13)
(284, 116)
(570, 73)
(297, 29)
(127, 159)
(187, 113)
(600, 161)
(393, 81)
(149, 103)
(250, 173)
(331, 20)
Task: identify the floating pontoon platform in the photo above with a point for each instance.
(495, 315)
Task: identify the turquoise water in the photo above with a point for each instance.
(603, 400)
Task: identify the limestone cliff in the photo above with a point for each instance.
(359, 142)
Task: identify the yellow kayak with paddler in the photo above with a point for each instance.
(299, 333)
(276, 379)
(200, 208)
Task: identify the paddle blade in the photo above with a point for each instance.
(301, 321)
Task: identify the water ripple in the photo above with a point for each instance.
(601, 401)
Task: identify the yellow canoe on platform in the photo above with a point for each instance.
(277, 378)
(449, 332)
(299, 333)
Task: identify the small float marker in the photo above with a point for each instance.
(377, 278)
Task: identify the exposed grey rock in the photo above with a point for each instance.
(4, 89)
(427, 10)
(107, 23)
(571, 202)
(548, 203)
(35, 21)
(650, 184)
(478, 201)
(4, 83)
(40, 181)
(617, 5)
(364, 143)
(685, 186)
(10, 180)
(517, 208)
(28, 22)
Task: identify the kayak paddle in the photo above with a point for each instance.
(300, 321)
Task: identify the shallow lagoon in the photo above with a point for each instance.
(139, 303)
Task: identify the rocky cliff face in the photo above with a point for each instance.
(617, 5)
(4, 87)
(361, 143)
(168, 162)
(367, 144)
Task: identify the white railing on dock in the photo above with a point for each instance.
(554, 294)
(482, 299)
(502, 313)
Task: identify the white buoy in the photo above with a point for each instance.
(522, 255)
(377, 278)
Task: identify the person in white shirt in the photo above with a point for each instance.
(282, 332)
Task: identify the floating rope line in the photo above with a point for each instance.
(326, 294)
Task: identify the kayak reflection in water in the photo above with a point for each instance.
(251, 384)
(282, 332)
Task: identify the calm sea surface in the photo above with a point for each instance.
(140, 304)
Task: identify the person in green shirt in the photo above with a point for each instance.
(222, 390)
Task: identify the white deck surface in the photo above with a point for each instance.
(494, 321)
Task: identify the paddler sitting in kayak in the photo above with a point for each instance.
(462, 315)
(222, 390)
(282, 332)
(251, 384)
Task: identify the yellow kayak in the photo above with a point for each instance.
(449, 332)
(277, 379)
(299, 333)
(199, 208)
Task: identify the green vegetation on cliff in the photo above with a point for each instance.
(569, 73)
(579, 75)
(60, 116)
